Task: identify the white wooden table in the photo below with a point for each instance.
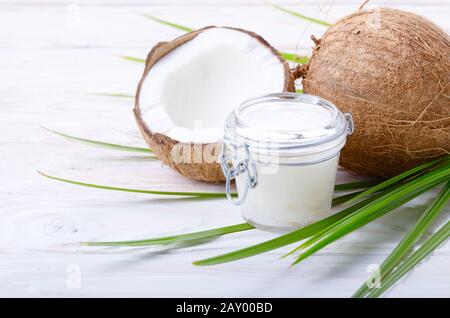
(53, 54)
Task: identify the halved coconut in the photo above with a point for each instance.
(192, 83)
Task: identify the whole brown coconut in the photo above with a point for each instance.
(391, 70)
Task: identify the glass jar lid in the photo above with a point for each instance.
(287, 122)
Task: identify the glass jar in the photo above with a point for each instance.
(283, 151)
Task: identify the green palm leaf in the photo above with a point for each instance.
(283, 240)
(399, 177)
(114, 95)
(178, 238)
(355, 185)
(407, 243)
(377, 208)
(192, 236)
(389, 184)
(415, 258)
(301, 16)
(171, 24)
(288, 56)
(408, 192)
(133, 59)
(174, 193)
(295, 58)
(101, 144)
(157, 192)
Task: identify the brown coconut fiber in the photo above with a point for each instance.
(391, 70)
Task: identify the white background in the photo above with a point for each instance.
(53, 54)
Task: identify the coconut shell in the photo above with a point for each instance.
(163, 145)
(391, 70)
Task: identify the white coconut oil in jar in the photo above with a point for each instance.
(283, 151)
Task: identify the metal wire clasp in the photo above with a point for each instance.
(246, 165)
(350, 124)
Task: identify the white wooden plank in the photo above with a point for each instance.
(213, 2)
(169, 275)
(99, 27)
(47, 67)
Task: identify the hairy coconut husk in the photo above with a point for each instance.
(391, 70)
(163, 145)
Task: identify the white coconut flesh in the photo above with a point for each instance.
(188, 93)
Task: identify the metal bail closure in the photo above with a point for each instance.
(350, 124)
(246, 166)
